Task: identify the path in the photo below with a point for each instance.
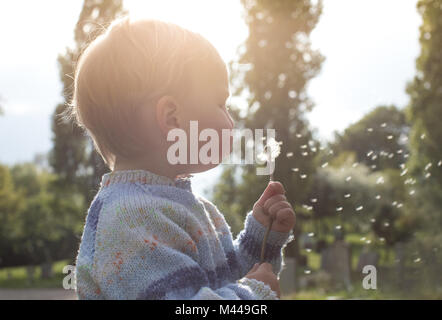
(37, 294)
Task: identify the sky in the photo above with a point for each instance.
(370, 49)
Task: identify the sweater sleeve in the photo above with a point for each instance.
(144, 253)
(248, 245)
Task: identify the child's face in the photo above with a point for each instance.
(207, 105)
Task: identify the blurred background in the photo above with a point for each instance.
(352, 87)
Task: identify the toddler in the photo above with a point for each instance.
(147, 235)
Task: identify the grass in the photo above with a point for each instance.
(19, 279)
(387, 278)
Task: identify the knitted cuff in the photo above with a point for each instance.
(255, 231)
(261, 290)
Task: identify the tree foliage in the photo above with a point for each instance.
(425, 92)
(379, 139)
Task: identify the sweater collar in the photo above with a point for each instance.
(145, 177)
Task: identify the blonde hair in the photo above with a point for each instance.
(129, 66)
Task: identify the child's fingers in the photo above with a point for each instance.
(274, 187)
(274, 199)
(285, 215)
(255, 267)
(265, 266)
(276, 207)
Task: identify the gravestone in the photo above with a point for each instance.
(366, 258)
(287, 276)
(336, 260)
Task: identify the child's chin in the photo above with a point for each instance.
(197, 168)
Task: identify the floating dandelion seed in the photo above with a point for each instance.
(338, 227)
(368, 241)
(422, 136)
(348, 178)
(314, 200)
(380, 180)
(386, 224)
(400, 205)
(402, 166)
(391, 155)
(378, 197)
(399, 151)
(298, 135)
(359, 208)
(412, 192)
(417, 260)
(324, 165)
(363, 238)
(372, 220)
(373, 166)
(311, 234)
(295, 169)
(347, 195)
(427, 175)
(383, 125)
(354, 165)
(381, 239)
(389, 137)
(394, 203)
(339, 209)
(307, 271)
(308, 250)
(428, 166)
(303, 176)
(289, 154)
(404, 172)
(304, 146)
(369, 153)
(439, 163)
(305, 154)
(370, 129)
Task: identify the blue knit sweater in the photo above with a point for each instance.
(149, 237)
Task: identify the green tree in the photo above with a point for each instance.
(379, 139)
(279, 63)
(425, 164)
(10, 205)
(44, 226)
(426, 93)
(73, 157)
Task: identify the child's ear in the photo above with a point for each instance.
(167, 115)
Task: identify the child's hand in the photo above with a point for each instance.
(263, 272)
(273, 203)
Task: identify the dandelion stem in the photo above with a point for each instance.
(264, 241)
